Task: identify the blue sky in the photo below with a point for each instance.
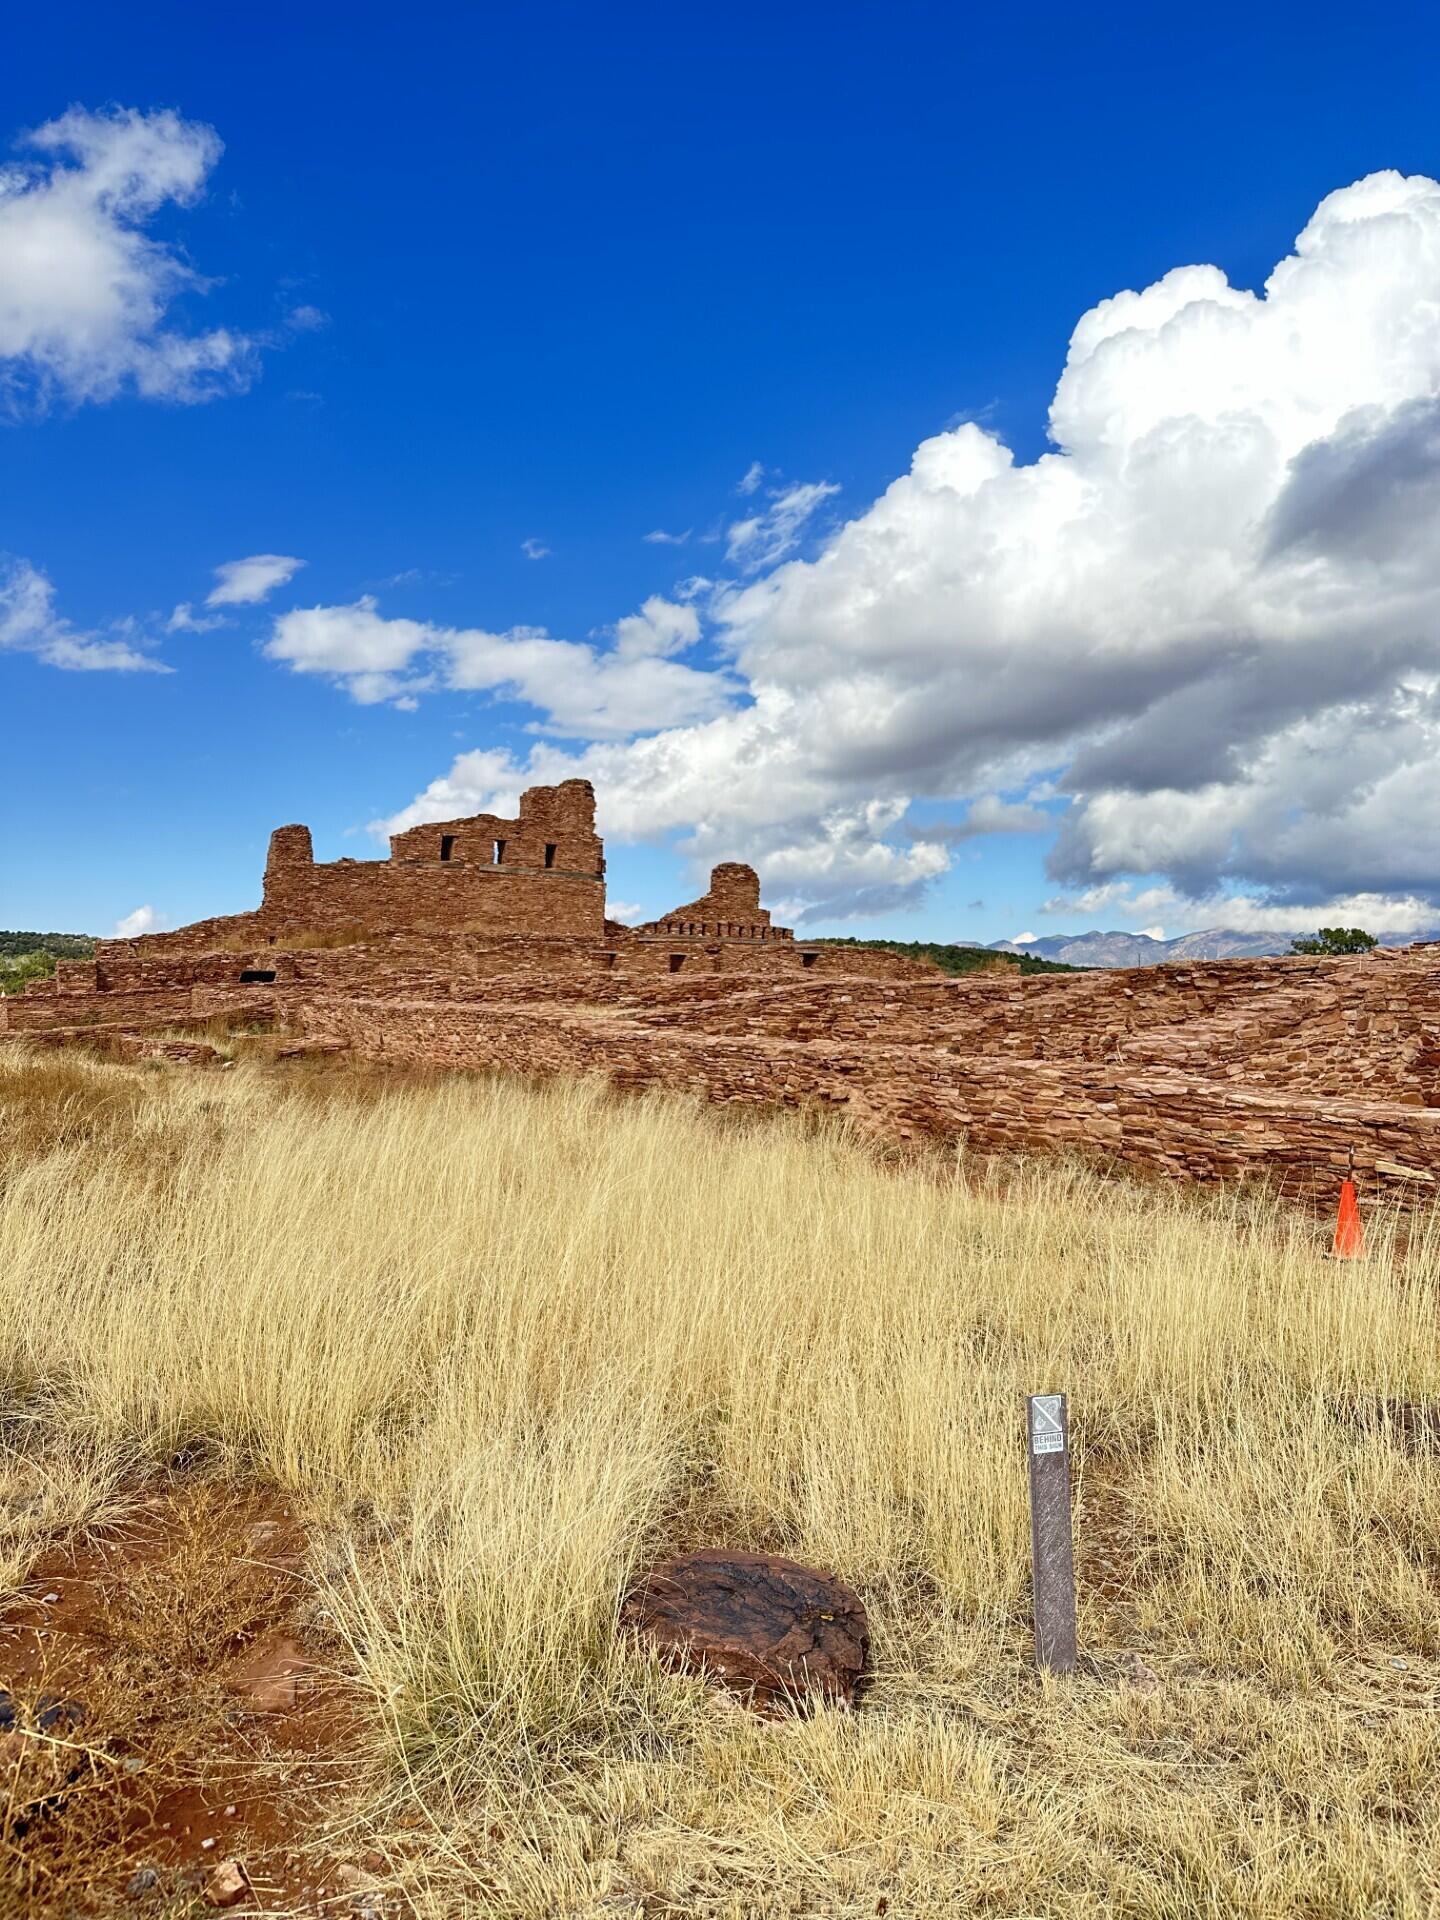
(473, 301)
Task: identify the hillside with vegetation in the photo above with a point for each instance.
(952, 958)
(31, 956)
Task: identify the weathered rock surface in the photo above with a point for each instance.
(777, 1633)
(227, 1886)
(268, 1679)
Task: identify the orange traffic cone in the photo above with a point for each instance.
(1349, 1243)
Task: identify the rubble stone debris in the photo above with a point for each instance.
(778, 1634)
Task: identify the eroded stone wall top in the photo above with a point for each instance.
(553, 833)
(730, 909)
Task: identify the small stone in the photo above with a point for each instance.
(1144, 1679)
(269, 1680)
(230, 1813)
(205, 1845)
(227, 1885)
(141, 1882)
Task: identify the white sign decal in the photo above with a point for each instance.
(1047, 1435)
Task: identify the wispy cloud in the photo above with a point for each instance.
(534, 549)
(30, 624)
(762, 539)
(244, 583)
(185, 620)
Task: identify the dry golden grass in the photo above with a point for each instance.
(504, 1343)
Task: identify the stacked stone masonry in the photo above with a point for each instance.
(483, 943)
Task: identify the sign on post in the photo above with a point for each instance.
(1052, 1557)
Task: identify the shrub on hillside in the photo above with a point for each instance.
(1336, 940)
(18, 970)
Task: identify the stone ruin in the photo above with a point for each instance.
(527, 893)
(484, 943)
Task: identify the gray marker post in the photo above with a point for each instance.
(1052, 1555)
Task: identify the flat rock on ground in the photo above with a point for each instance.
(777, 1633)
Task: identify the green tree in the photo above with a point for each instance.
(1336, 940)
(18, 970)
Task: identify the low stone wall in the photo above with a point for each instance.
(20, 1013)
(1162, 1123)
(1210, 1071)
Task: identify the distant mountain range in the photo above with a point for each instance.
(1143, 950)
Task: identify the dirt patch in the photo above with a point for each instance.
(211, 1718)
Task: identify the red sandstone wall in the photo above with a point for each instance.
(1210, 1070)
(199, 937)
(542, 873)
(379, 896)
(555, 831)
(729, 910)
(1159, 1122)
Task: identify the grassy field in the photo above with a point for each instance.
(497, 1346)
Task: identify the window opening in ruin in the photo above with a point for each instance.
(252, 976)
(498, 850)
(677, 960)
(549, 854)
(447, 845)
(808, 959)
(608, 959)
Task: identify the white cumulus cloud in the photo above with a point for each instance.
(1249, 913)
(86, 292)
(632, 686)
(1208, 616)
(142, 920)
